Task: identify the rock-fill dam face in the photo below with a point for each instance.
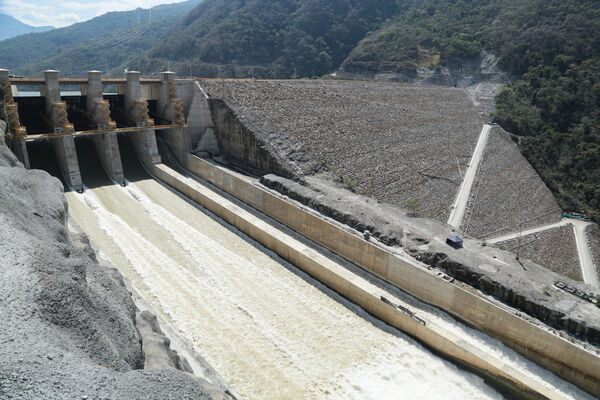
(267, 327)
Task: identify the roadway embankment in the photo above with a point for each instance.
(385, 265)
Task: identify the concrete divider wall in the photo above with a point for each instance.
(66, 155)
(106, 144)
(353, 288)
(558, 355)
(245, 140)
(243, 147)
(107, 147)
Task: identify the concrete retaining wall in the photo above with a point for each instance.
(554, 353)
(246, 141)
(197, 112)
(351, 286)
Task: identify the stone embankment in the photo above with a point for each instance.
(69, 327)
(395, 143)
(592, 233)
(391, 142)
(508, 194)
(248, 142)
(554, 248)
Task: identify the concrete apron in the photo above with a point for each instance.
(355, 288)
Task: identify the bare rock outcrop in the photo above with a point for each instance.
(480, 76)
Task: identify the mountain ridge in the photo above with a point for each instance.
(11, 27)
(16, 53)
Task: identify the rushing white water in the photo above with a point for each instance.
(271, 331)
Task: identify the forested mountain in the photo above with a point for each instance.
(275, 37)
(11, 27)
(107, 52)
(18, 52)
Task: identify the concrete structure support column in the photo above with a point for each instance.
(64, 146)
(137, 108)
(201, 124)
(171, 108)
(9, 112)
(106, 144)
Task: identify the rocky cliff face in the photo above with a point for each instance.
(67, 329)
(481, 77)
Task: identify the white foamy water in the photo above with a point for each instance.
(270, 331)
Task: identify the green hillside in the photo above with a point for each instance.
(21, 52)
(271, 38)
(111, 52)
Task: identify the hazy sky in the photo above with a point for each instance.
(60, 13)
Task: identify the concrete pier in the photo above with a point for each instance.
(106, 144)
(64, 146)
(200, 121)
(171, 108)
(137, 108)
(9, 112)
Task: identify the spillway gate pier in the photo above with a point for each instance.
(139, 107)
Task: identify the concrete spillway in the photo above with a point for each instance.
(272, 333)
(269, 329)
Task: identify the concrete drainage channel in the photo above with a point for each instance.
(582, 366)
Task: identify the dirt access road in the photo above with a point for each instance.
(462, 198)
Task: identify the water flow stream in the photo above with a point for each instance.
(266, 327)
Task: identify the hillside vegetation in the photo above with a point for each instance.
(74, 49)
(282, 38)
(107, 52)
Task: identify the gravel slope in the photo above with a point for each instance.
(554, 249)
(67, 330)
(507, 192)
